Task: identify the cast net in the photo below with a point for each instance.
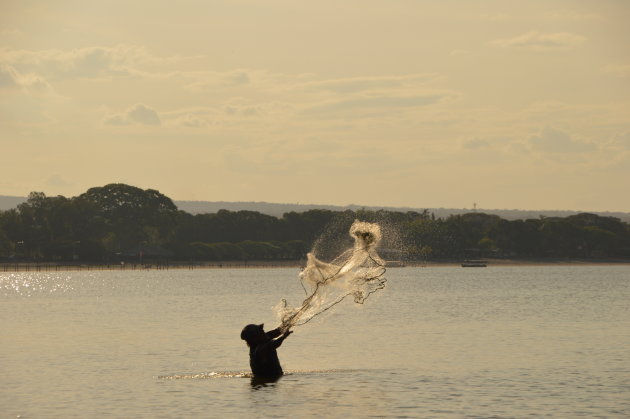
(357, 272)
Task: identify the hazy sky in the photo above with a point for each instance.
(509, 104)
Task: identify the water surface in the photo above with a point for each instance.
(436, 342)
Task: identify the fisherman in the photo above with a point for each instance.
(263, 358)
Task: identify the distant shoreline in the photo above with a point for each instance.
(531, 262)
(279, 209)
(60, 267)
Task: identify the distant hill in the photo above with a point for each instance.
(200, 207)
(8, 202)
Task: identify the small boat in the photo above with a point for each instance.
(474, 264)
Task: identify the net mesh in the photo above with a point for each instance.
(357, 272)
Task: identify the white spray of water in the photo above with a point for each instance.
(358, 272)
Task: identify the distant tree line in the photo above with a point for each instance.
(118, 222)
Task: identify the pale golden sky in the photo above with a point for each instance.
(509, 104)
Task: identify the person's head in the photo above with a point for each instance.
(253, 333)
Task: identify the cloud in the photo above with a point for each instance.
(236, 110)
(242, 108)
(10, 78)
(203, 80)
(362, 84)
(143, 115)
(192, 121)
(622, 139)
(237, 78)
(137, 114)
(550, 140)
(88, 63)
(384, 103)
(194, 117)
(233, 113)
(26, 98)
(536, 41)
(475, 144)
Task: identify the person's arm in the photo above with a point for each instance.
(281, 339)
(273, 344)
(274, 333)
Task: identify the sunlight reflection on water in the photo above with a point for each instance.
(28, 284)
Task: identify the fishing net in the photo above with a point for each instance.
(357, 272)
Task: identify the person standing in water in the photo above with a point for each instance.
(263, 358)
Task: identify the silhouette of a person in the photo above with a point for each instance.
(263, 358)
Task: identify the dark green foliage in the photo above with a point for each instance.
(119, 221)
(133, 215)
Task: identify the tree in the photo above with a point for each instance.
(133, 215)
(121, 218)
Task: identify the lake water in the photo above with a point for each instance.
(437, 342)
